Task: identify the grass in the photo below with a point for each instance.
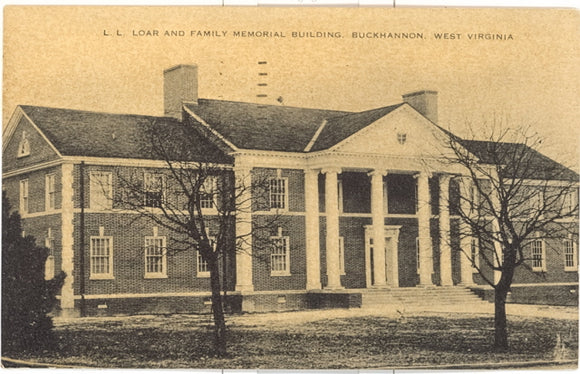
(286, 340)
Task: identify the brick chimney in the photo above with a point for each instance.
(425, 102)
(179, 86)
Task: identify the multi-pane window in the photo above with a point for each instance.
(473, 196)
(202, 265)
(402, 138)
(155, 257)
(24, 196)
(49, 264)
(101, 256)
(570, 255)
(207, 193)
(101, 190)
(154, 185)
(537, 199)
(341, 266)
(474, 254)
(280, 257)
(278, 193)
(538, 255)
(570, 204)
(50, 195)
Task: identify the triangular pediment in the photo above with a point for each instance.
(403, 132)
(24, 144)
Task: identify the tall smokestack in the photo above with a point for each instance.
(179, 86)
(425, 102)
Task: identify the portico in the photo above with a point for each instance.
(379, 227)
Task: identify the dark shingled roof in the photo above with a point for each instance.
(339, 128)
(532, 164)
(94, 134)
(264, 127)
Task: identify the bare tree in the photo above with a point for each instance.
(513, 201)
(195, 195)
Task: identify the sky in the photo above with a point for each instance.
(62, 57)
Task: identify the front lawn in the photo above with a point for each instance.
(284, 340)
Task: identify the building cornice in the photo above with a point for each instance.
(28, 169)
(134, 162)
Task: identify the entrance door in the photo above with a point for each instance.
(370, 251)
(390, 252)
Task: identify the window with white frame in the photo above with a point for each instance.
(280, 256)
(101, 190)
(278, 193)
(208, 193)
(50, 193)
(202, 265)
(537, 199)
(49, 264)
(341, 266)
(570, 204)
(538, 255)
(474, 254)
(24, 196)
(155, 256)
(101, 256)
(154, 187)
(24, 145)
(570, 255)
(473, 196)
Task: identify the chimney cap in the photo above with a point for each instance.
(186, 66)
(421, 92)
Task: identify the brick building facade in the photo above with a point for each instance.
(342, 183)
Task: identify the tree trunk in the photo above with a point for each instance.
(217, 308)
(501, 335)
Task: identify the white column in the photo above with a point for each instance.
(393, 262)
(465, 233)
(378, 214)
(67, 293)
(424, 215)
(244, 229)
(312, 230)
(332, 235)
(444, 228)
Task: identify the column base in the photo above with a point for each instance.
(380, 286)
(314, 287)
(69, 313)
(244, 288)
(426, 285)
(334, 288)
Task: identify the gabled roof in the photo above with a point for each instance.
(263, 127)
(341, 127)
(94, 134)
(519, 160)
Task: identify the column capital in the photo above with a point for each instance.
(378, 172)
(331, 170)
(311, 171)
(444, 178)
(422, 174)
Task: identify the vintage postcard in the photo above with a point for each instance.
(290, 188)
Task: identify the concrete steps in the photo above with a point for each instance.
(418, 297)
